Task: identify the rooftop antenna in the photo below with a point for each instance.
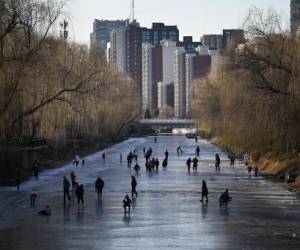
(132, 11)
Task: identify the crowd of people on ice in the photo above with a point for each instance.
(151, 164)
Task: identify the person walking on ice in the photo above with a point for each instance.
(80, 193)
(156, 164)
(129, 159)
(35, 170)
(225, 198)
(195, 164)
(167, 154)
(188, 164)
(33, 196)
(127, 204)
(99, 184)
(218, 162)
(66, 186)
(121, 158)
(165, 163)
(103, 156)
(198, 151)
(232, 160)
(133, 186)
(204, 191)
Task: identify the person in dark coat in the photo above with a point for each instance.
(167, 154)
(35, 170)
(66, 186)
(195, 164)
(256, 169)
(80, 193)
(225, 198)
(204, 191)
(133, 186)
(103, 156)
(165, 163)
(127, 204)
(99, 184)
(189, 163)
(46, 211)
(232, 160)
(150, 152)
(218, 162)
(129, 159)
(198, 151)
(147, 156)
(156, 164)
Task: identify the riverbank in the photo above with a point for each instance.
(17, 162)
(13, 162)
(284, 168)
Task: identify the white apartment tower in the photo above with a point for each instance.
(147, 81)
(189, 77)
(118, 54)
(168, 49)
(179, 82)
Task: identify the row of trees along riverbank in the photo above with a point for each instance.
(54, 89)
(251, 99)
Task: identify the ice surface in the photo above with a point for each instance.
(167, 213)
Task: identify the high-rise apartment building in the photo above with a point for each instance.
(197, 65)
(159, 32)
(147, 81)
(179, 82)
(134, 55)
(151, 75)
(100, 36)
(214, 42)
(126, 53)
(189, 77)
(232, 35)
(168, 49)
(135, 37)
(118, 49)
(295, 16)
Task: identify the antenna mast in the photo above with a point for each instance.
(132, 11)
(133, 17)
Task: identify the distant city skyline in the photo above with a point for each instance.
(193, 18)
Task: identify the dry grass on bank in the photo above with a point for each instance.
(296, 184)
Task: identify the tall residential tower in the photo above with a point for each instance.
(100, 36)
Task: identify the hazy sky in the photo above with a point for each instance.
(193, 17)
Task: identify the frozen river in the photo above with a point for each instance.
(167, 213)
